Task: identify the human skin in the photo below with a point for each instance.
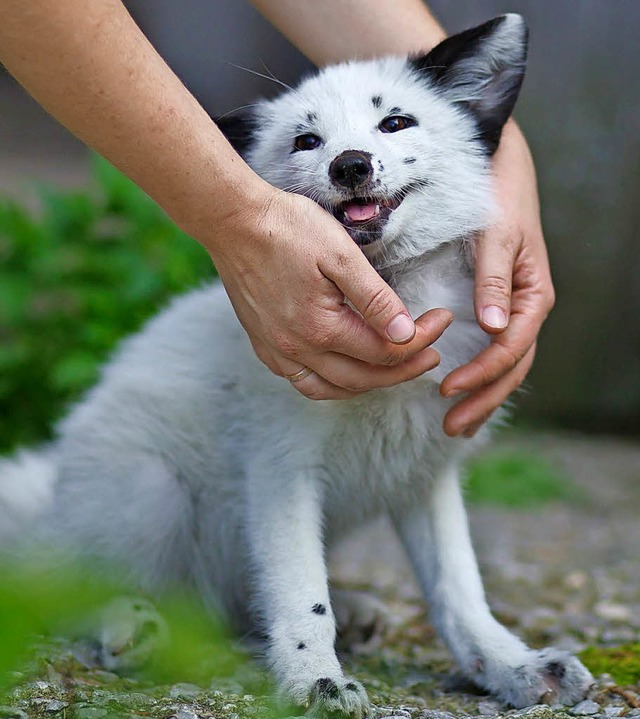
(286, 264)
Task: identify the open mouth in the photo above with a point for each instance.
(364, 217)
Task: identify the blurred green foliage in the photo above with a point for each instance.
(74, 278)
(621, 662)
(518, 480)
(39, 600)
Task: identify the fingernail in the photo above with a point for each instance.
(494, 317)
(401, 328)
(454, 392)
(470, 431)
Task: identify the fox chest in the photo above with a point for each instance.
(385, 448)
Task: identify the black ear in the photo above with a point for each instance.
(481, 69)
(239, 127)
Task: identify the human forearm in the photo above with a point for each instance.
(92, 68)
(336, 30)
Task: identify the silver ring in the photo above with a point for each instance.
(299, 375)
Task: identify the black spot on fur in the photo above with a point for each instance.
(302, 645)
(311, 117)
(395, 111)
(328, 688)
(556, 669)
(410, 160)
(239, 128)
(319, 609)
(376, 101)
(351, 687)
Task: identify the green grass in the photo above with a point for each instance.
(622, 662)
(74, 278)
(517, 480)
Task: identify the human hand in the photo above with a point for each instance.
(513, 292)
(287, 273)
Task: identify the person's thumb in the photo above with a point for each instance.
(493, 281)
(371, 296)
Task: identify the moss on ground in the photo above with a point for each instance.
(621, 662)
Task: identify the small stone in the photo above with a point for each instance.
(135, 700)
(618, 635)
(613, 711)
(633, 713)
(185, 714)
(105, 677)
(576, 580)
(489, 707)
(12, 713)
(613, 612)
(54, 705)
(184, 691)
(89, 712)
(585, 708)
(226, 686)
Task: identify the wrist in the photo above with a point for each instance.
(229, 208)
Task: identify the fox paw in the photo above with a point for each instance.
(130, 633)
(331, 698)
(550, 676)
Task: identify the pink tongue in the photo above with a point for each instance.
(361, 213)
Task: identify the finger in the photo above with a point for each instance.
(495, 253)
(312, 385)
(357, 376)
(354, 338)
(265, 355)
(477, 407)
(502, 355)
(379, 305)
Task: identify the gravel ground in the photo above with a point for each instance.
(561, 575)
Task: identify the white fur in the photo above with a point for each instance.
(191, 462)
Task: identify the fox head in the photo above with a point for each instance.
(397, 149)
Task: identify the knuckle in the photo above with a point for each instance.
(342, 259)
(284, 343)
(313, 390)
(549, 300)
(496, 285)
(393, 357)
(379, 305)
(510, 357)
(358, 386)
(319, 337)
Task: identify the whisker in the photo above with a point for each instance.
(235, 109)
(262, 75)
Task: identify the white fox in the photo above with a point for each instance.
(191, 462)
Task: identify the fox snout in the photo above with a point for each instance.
(351, 169)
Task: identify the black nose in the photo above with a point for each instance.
(351, 169)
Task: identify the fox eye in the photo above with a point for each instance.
(307, 142)
(394, 123)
